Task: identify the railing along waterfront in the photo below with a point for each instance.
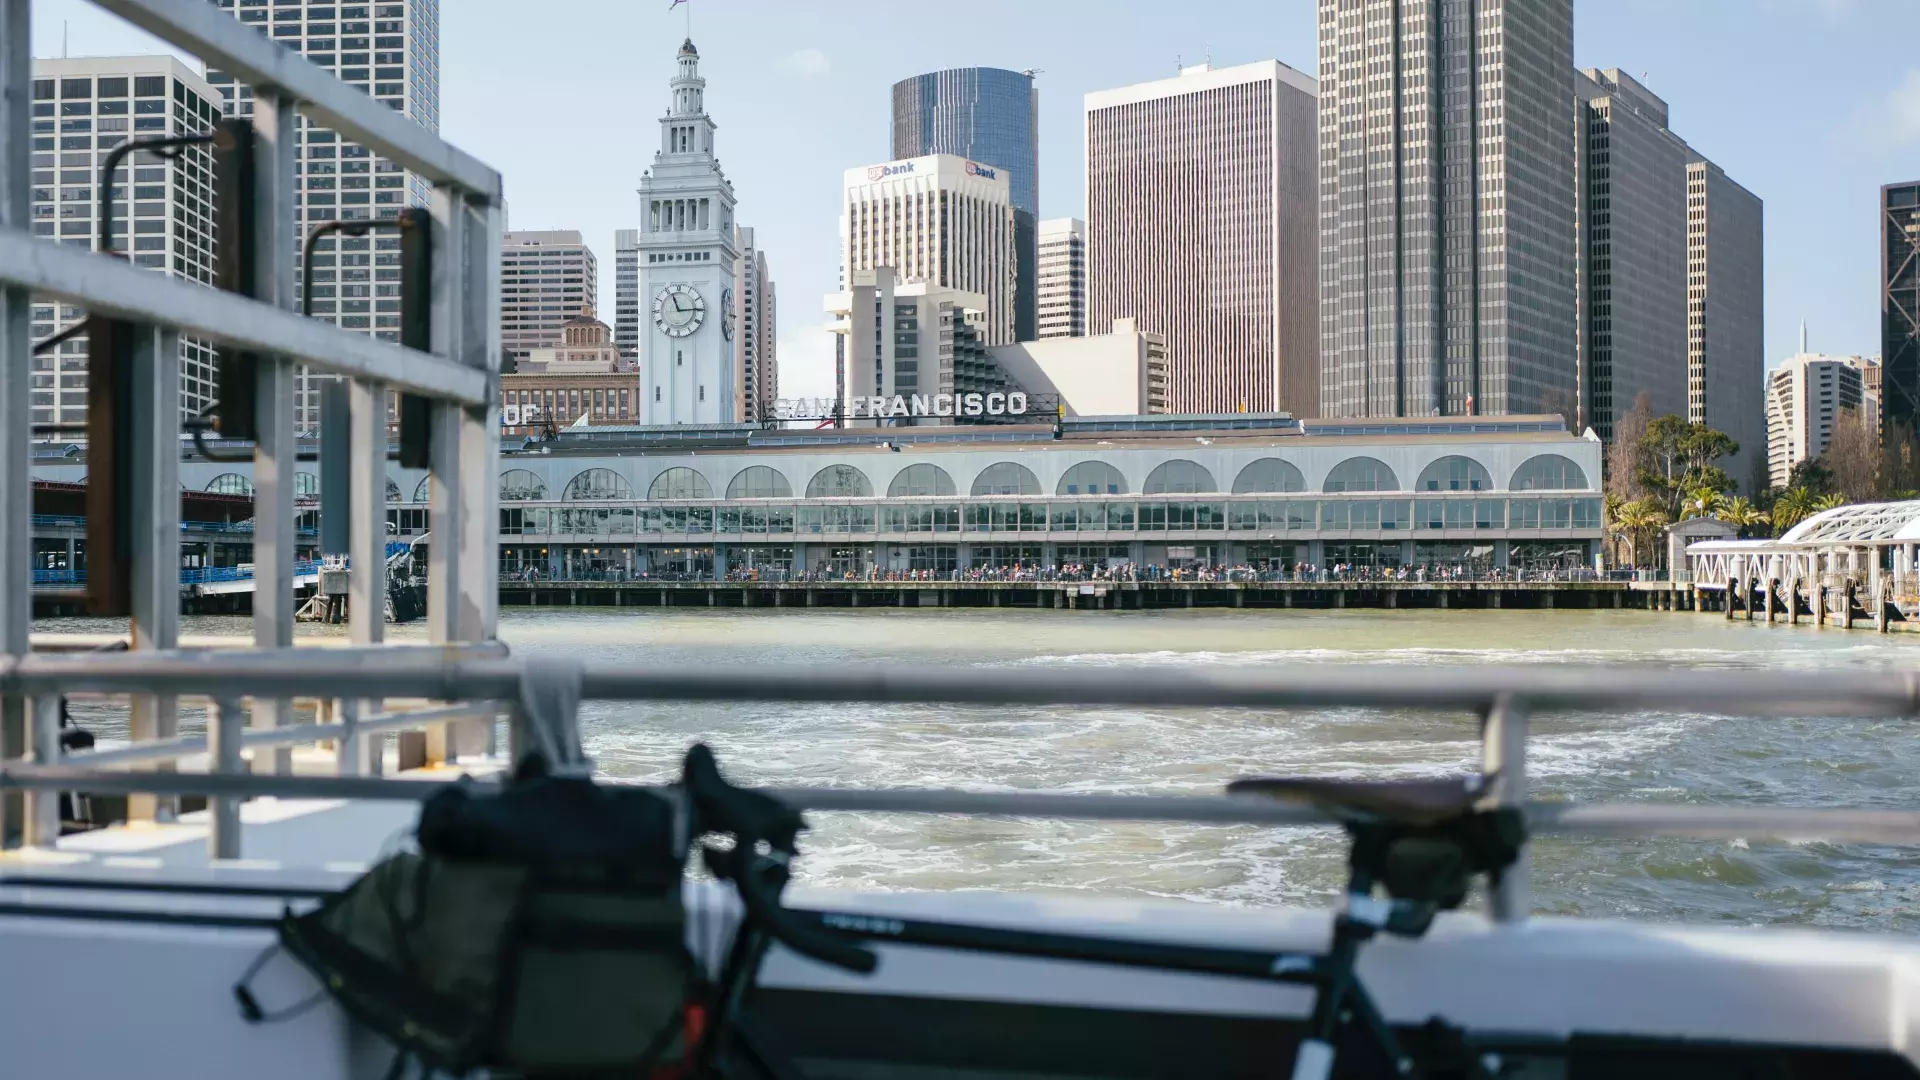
(448, 362)
(542, 697)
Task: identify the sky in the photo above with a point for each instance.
(1811, 104)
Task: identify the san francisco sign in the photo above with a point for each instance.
(950, 406)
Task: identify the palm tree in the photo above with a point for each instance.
(1699, 501)
(1794, 506)
(1738, 511)
(1637, 521)
(1829, 502)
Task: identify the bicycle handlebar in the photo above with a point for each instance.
(751, 818)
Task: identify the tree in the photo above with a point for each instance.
(1853, 457)
(1833, 501)
(1900, 460)
(1810, 475)
(1792, 507)
(1738, 511)
(1624, 453)
(1639, 523)
(1677, 457)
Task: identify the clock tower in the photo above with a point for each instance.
(686, 254)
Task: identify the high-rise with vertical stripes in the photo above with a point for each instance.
(391, 50)
(1447, 192)
(1201, 228)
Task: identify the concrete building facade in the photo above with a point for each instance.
(1447, 193)
(1726, 350)
(1062, 284)
(162, 210)
(1805, 396)
(547, 279)
(1121, 373)
(756, 339)
(907, 340)
(992, 116)
(942, 221)
(686, 258)
(1201, 227)
(391, 50)
(582, 378)
(626, 292)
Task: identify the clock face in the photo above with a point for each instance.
(678, 310)
(726, 312)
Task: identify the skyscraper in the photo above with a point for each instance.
(546, 280)
(1900, 308)
(755, 341)
(391, 50)
(991, 116)
(943, 221)
(626, 292)
(1447, 194)
(1805, 397)
(1201, 228)
(1726, 353)
(685, 257)
(1062, 284)
(95, 105)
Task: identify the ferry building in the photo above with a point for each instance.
(688, 501)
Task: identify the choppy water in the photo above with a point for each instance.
(1651, 756)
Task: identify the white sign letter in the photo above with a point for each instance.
(996, 404)
(1017, 403)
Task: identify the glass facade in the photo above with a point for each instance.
(992, 116)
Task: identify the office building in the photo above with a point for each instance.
(1805, 396)
(1201, 228)
(909, 340)
(1121, 373)
(1726, 357)
(756, 339)
(944, 222)
(1633, 252)
(992, 116)
(547, 279)
(1900, 308)
(581, 378)
(626, 292)
(391, 50)
(1062, 285)
(685, 255)
(162, 210)
(1447, 192)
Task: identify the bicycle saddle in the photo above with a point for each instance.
(1417, 803)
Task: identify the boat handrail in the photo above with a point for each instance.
(1502, 699)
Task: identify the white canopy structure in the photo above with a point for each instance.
(1863, 541)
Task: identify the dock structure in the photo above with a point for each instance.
(1858, 563)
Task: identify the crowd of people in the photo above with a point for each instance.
(1125, 572)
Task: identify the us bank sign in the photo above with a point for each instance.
(903, 405)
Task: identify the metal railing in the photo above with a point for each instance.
(254, 323)
(1502, 700)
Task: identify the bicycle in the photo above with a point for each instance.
(1422, 843)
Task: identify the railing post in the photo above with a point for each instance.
(273, 458)
(16, 362)
(1503, 761)
(367, 554)
(154, 506)
(42, 817)
(225, 725)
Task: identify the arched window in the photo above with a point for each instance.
(921, 479)
(1548, 472)
(598, 484)
(423, 491)
(759, 482)
(231, 483)
(1179, 477)
(1092, 478)
(1454, 473)
(1362, 474)
(519, 485)
(393, 490)
(1006, 478)
(680, 482)
(839, 481)
(306, 486)
(1268, 474)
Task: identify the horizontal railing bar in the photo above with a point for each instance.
(226, 44)
(113, 287)
(1844, 825)
(452, 677)
(190, 745)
